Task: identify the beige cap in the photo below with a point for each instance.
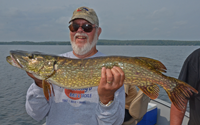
(87, 14)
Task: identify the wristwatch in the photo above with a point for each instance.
(108, 104)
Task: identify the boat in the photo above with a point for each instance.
(158, 113)
(163, 112)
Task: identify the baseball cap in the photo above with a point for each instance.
(87, 14)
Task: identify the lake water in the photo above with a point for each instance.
(15, 82)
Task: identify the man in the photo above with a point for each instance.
(190, 73)
(102, 105)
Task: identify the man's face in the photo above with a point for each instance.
(82, 42)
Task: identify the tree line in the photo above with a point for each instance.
(110, 42)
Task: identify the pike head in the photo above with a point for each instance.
(40, 65)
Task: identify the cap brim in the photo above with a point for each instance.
(82, 17)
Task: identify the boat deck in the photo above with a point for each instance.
(163, 113)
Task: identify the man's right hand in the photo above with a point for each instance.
(37, 81)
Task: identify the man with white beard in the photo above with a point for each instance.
(102, 105)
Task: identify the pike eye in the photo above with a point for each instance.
(30, 56)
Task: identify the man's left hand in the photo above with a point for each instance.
(111, 81)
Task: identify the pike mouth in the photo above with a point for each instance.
(17, 64)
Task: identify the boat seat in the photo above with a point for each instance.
(138, 108)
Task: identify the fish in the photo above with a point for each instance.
(143, 72)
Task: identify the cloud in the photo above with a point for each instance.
(155, 29)
(63, 20)
(12, 13)
(181, 23)
(48, 19)
(161, 14)
(158, 12)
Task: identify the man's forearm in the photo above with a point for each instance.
(36, 104)
(176, 116)
(113, 114)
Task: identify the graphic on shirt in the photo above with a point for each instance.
(76, 94)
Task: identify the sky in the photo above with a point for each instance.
(47, 20)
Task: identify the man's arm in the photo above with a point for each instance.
(36, 104)
(114, 113)
(176, 116)
(37, 81)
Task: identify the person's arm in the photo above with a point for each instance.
(36, 104)
(189, 74)
(37, 81)
(176, 116)
(114, 113)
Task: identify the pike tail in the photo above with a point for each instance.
(177, 90)
(180, 93)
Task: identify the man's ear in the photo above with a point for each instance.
(99, 31)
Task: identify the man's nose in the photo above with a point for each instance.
(80, 29)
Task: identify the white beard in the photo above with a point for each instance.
(86, 47)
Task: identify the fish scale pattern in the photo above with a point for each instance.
(143, 72)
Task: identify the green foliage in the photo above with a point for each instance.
(34, 43)
(147, 42)
(112, 42)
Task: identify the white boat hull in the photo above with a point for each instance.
(163, 113)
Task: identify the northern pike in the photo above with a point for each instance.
(69, 73)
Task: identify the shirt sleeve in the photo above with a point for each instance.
(189, 72)
(36, 104)
(114, 113)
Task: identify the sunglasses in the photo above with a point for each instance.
(86, 27)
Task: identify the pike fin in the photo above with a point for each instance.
(154, 63)
(180, 93)
(46, 89)
(150, 90)
(47, 86)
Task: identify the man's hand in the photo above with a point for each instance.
(111, 81)
(37, 81)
